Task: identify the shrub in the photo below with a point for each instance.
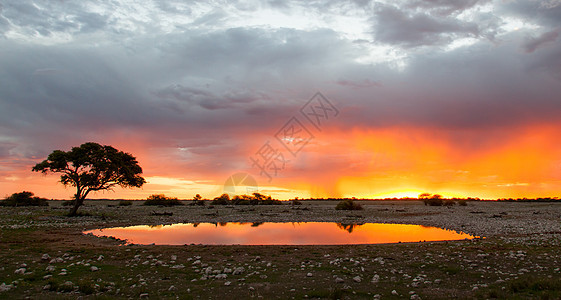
(448, 203)
(23, 199)
(162, 200)
(295, 202)
(434, 202)
(224, 199)
(125, 203)
(348, 204)
(198, 200)
(462, 203)
(68, 203)
(270, 202)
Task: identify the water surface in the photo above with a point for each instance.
(305, 233)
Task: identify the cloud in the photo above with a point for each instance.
(193, 88)
(533, 43)
(411, 29)
(445, 7)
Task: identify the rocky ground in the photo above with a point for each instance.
(44, 254)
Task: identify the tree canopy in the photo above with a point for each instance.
(92, 167)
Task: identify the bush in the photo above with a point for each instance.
(462, 203)
(68, 203)
(23, 199)
(198, 200)
(295, 202)
(348, 204)
(433, 202)
(125, 203)
(224, 199)
(270, 202)
(448, 203)
(162, 200)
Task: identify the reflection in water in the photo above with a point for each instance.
(348, 227)
(259, 233)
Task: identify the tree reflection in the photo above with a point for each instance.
(348, 227)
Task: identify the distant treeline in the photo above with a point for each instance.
(545, 199)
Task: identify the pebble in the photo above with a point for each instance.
(227, 283)
(339, 280)
(45, 257)
(357, 279)
(94, 268)
(6, 287)
(309, 274)
(20, 271)
(394, 292)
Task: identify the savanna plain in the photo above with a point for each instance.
(45, 254)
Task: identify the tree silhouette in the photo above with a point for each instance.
(92, 167)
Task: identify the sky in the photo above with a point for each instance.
(460, 98)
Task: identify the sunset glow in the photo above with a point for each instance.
(306, 233)
(469, 108)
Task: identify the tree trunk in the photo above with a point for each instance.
(77, 203)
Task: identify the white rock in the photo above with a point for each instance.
(309, 275)
(174, 257)
(50, 268)
(357, 279)
(45, 257)
(172, 288)
(100, 258)
(94, 268)
(227, 283)
(394, 292)
(339, 280)
(178, 266)
(376, 278)
(20, 271)
(5, 287)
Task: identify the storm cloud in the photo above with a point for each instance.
(216, 80)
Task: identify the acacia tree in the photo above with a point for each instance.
(92, 167)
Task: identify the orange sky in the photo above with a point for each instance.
(379, 163)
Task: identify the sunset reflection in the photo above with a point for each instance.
(308, 233)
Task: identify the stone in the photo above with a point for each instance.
(94, 268)
(339, 280)
(45, 257)
(394, 292)
(357, 279)
(20, 271)
(309, 275)
(5, 287)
